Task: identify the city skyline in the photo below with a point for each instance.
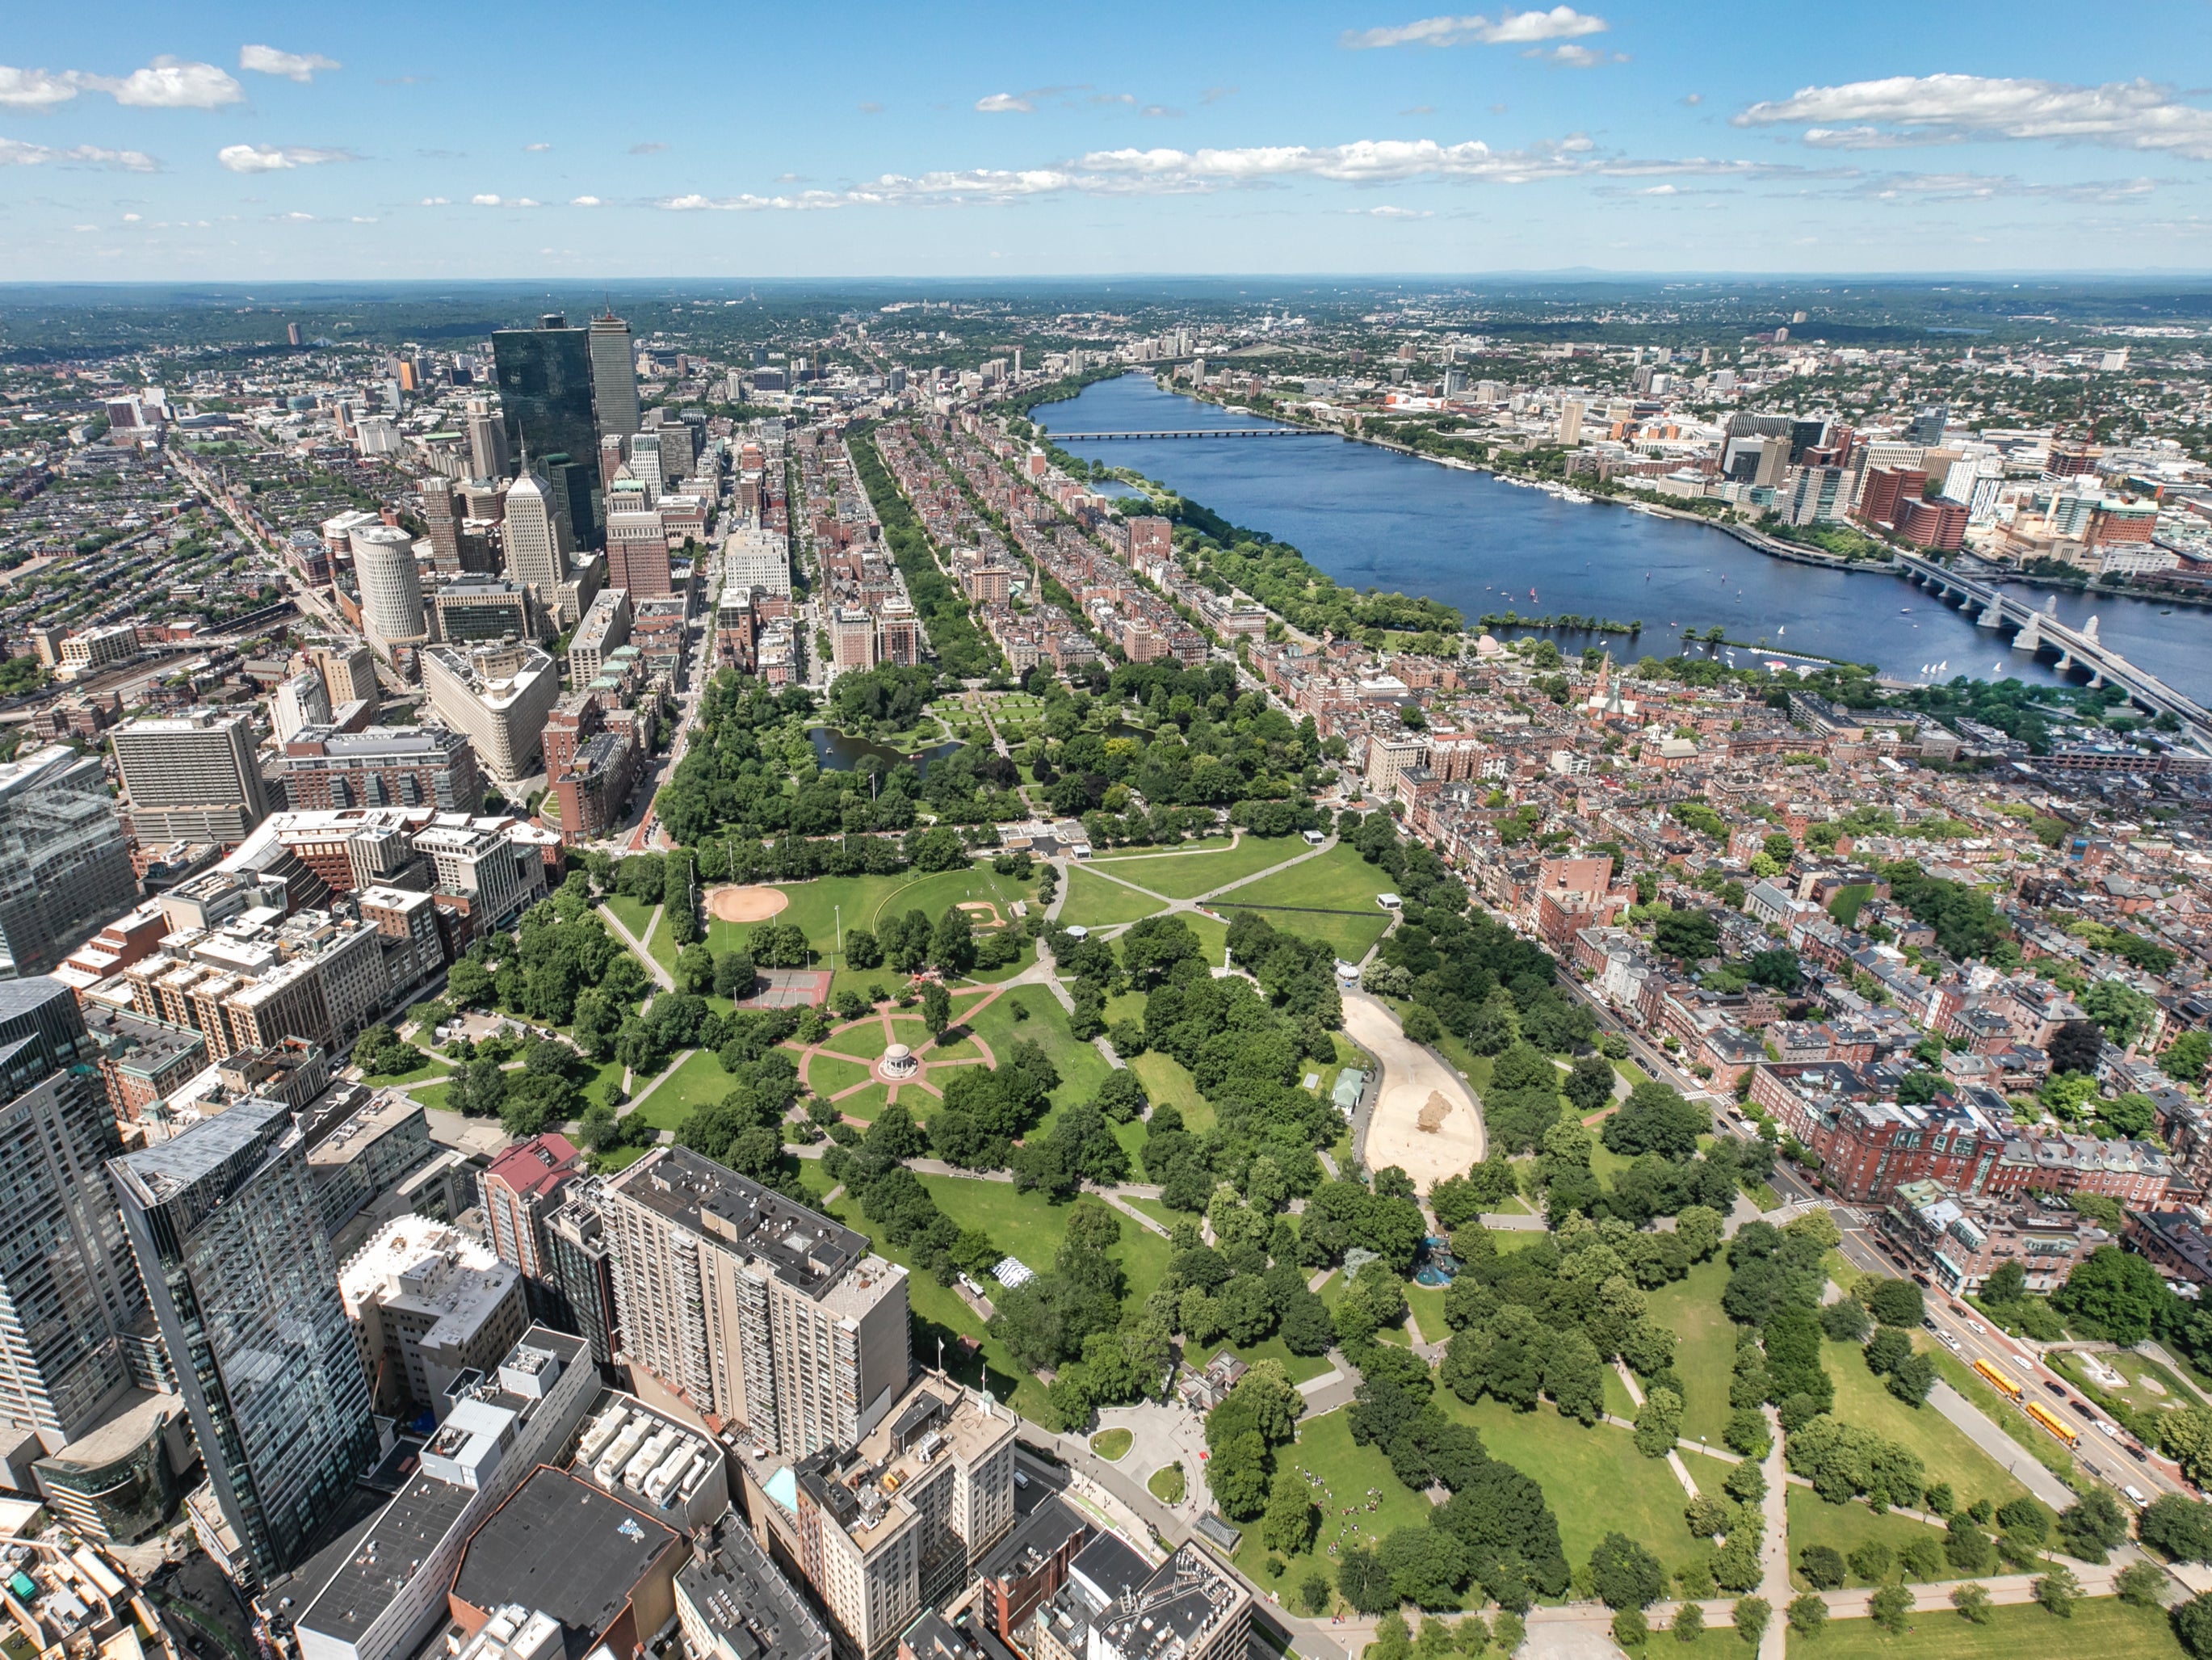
(1373, 139)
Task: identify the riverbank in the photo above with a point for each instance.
(1361, 515)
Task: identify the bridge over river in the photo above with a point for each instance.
(2038, 631)
(1197, 432)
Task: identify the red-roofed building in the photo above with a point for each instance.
(519, 1189)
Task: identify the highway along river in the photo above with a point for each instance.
(1372, 517)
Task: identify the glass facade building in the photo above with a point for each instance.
(223, 1221)
(64, 862)
(545, 390)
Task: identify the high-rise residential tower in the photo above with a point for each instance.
(488, 452)
(391, 585)
(545, 389)
(68, 1288)
(222, 1220)
(753, 1308)
(192, 777)
(64, 861)
(537, 542)
(614, 376)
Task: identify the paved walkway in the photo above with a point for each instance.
(1168, 904)
(660, 975)
(2026, 1468)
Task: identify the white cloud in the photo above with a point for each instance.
(489, 200)
(14, 154)
(537, 148)
(292, 65)
(437, 201)
(292, 218)
(130, 218)
(1575, 58)
(276, 158)
(1509, 28)
(1945, 109)
(1693, 98)
(1160, 113)
(1395, 213)
(583, 201)
(169, 84)
(1981, 187)
(648, 147)
(1004, 103)
(34, 90)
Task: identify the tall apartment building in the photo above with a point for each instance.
(499, 696)
(498, 876)
(300, 701)
(583, 1278)
(391, 585)
(469, 609)
(851, 638)
(382, 767)
(488, 452)
(349, 673)
(756, 559)
(69, 1290)
(222, 1221)
(605, 628)
(614, 376)
(889, 1525)
(519, 1190)
(752, 1308)
(637, 554)
(192, 777)
(428, 1302)
(249, 985)
(64, 861)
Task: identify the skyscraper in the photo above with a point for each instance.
(64, 862)
(536, 544)
(223, 1222)
(614, 375)
(545, 389)
(192, 777)
(68, 1289)
(488, 450)
(391, 585)
(753, 1308)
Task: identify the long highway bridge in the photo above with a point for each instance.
(1203, 432)
(2036, 632)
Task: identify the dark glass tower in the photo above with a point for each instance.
(545, 389)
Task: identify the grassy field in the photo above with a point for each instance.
(1204, 844)
(1594, 1479)
(432, 1068)
(1296, 1367)
(1212, 937)
(1082, 1068)
(1342, 1475)
(1094, 902)
(826, 1075)
(1166, 1484)
(1111, 1444)
(1845, 1528)
(1338, 880)
(863, 902)
(1169, 1084)
(2105, 1628)
(1022, 1225)
(1187, 875)
(1862, 1399)
(1704, 1358)
(430, 1095)
(630, 913)
(699, 1082)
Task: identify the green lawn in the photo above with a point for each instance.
(1187, 875)
(630, 913)
(1082, 1068)
(1023, 1225)
(1296, 1367)
(432, 1067)
(699, 1082)
(1169, 1085)
(865, 1039)
(1812, 1520)
(1212, 937)
(1163, 1215)
(1426, 1304)
(1862, 1399)
(1594, 1478)
(825, 1075)
(1094, 902)
(2105, 1628)
(1166, 1484)
(862, 902)
(2002, 1413)
(864, 1105)
(1338, 879)
(1111, 1444)
(430, 1095)
(1347, 1474)
(1204, 844)
(1704, 1358)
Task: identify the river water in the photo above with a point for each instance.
(1371, 517)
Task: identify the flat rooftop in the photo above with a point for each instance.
(865, 1488)
(752, 1607)
(804, 1248)
(562, 1546)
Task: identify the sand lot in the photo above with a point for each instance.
(1425, 1119)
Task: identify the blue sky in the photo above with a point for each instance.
(142, 141)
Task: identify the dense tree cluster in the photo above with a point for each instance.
(962, 649)
(1844, 1463)
(985, 1109)
(1246, 1286)
(1543, 1322)
(1967, 923)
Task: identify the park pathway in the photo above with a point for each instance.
(659, 976)
(1170, 906)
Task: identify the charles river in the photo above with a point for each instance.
(1369, 516)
